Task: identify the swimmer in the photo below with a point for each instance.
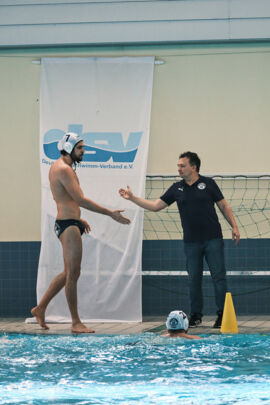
(177, 326)
(69, 227)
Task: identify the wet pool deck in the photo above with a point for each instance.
(246, 324)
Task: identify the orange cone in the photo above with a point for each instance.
(229, 321)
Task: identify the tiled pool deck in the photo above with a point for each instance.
(246, 324)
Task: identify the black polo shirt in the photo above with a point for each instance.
(196, 207)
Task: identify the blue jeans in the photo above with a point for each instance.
(213, 251)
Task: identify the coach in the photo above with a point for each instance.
(196, 196)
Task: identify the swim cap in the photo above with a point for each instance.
(69, 141)
(177, 320)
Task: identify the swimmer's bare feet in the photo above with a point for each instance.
(81, 328)
(39, 314)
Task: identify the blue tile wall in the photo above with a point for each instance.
(18, 275)
(160, 294)
(250, 254)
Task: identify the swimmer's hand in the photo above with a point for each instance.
(116, 215)
(87, 228)
(126, 193)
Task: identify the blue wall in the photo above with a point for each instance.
(161, 293)
(18, 276)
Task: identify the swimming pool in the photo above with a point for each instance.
(134, 369)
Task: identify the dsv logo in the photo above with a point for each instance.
(99, 146)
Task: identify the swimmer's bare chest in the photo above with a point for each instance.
(67, 208)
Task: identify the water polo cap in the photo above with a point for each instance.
(69, 141)
(177, 320)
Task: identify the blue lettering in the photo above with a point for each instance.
(99, 146)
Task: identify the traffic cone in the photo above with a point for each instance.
(229, 322)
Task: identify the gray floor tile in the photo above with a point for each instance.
(252, 324)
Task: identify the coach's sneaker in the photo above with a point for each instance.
(217, 324)
(195, 320)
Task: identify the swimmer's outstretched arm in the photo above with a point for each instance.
(70, 182)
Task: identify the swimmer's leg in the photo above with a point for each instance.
(39, 311)
(72, 251)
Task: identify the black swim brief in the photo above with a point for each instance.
(62, 224)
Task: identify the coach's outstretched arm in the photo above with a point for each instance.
(156, 205)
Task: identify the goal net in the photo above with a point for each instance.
(248, 196)
(165, 284)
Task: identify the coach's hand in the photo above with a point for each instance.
(126, 193)
(235, 235)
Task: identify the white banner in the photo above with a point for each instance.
(107, 101)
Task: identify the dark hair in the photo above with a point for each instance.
(64, 153)
(175, 331)
(194, 159)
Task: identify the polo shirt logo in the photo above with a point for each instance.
(181, 189)
(201, 186)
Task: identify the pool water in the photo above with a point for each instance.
(134, 369)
